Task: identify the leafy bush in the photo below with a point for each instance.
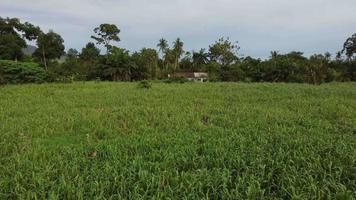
(2, 78)
(144, 84)
(21, 72)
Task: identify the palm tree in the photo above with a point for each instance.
(274, 54)
(200, 57)
(178, 51)
(162, 47)
(169, 58)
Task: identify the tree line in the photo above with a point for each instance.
(220, 60)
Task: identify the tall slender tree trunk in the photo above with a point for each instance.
(176, 64)
(44, 58)
(165, 65)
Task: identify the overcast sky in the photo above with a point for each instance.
(260, 26)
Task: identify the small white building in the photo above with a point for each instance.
(191, 76)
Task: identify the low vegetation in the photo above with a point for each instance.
(96, 140)
(144, 85)
(21, 72)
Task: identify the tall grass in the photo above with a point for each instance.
(178, 141)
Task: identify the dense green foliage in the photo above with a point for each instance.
(50, 46)
(178, 141)
(12, 37)
(106, 33)
(350, 47)
(144, 84)
(21, 72)
(221, 60)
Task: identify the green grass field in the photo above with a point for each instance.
(178, 141)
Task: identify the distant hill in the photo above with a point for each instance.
(29, 50)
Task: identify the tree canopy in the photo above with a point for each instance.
(221, 60)
(224, 51)
(350, 46)
(105, 34)
(50, 46)
(13, 37)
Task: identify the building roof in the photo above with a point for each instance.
(183, 74)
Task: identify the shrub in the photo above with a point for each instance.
(144, 84)
(21, 72)
(2, 80)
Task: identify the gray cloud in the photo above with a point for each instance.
(312, 26)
